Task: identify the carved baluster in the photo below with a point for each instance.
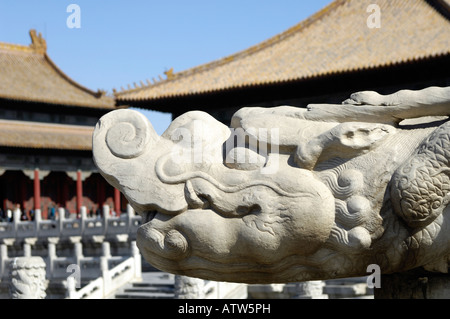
(28, 278)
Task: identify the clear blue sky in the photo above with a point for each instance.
(121, 42)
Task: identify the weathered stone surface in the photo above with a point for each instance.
(28, 278)
(189, 288)
(310, 290)
(288, 194)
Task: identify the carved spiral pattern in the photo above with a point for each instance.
(353, 212)
(343, 182)
(420, 187)
(128, 133)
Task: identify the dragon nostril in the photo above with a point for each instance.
(174, 241)
(148, 216)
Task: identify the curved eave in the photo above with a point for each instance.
(73, 103)
(239, 55)
(107, 103)
(37, 135)
(47, 148)
(129, 101)
(87, 99)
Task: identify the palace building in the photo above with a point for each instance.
(46, 125)
(349, 46)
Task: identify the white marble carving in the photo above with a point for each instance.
(189, 288)
(28, 278)
(288, 194)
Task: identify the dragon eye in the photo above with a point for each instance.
(436, 204)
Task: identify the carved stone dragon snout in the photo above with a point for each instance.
(288, 194)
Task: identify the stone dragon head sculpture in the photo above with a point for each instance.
(288, 194)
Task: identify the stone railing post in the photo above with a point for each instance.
(16, 219)
(51, 256)
(106, 249)
(106, 211)
(78, 248)
(71, 288)
(83, 212)
(137, 260)
(3, 259)
(189, 288)
(37, 221)
(310, 290)
(83, 216)
(27, 249)
(106, 216)
(28, 278)
(37, 217)
(130, 210)
(61, 214)
(104, 266)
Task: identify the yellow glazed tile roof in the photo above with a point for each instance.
(28, 74)
(45, 135)
(337, 39)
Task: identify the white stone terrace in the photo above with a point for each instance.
(62, 227)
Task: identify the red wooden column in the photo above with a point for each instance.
(79, 191)
(37, 190)
(117, 201)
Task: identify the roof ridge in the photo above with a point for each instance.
(98, 94)
(272, 40)
(38, 48)
(244, 70)
(15, 47)
(39, 45)
(251, 50)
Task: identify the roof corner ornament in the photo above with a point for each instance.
(38, 43)
(100, 93)
(169, 74)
